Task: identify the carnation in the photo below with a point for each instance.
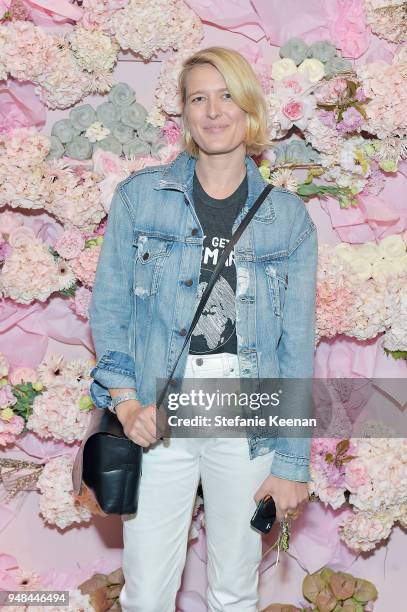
(85, 265)
(70, 244)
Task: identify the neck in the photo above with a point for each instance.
(221, 174)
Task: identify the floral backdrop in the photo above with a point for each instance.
(335, 82)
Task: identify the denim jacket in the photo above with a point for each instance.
(145, 292)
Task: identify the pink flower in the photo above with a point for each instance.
(8, 222)
(171, 131)
(355, 475)
(70, 244)
(6, 397)
(5, 250)
(293, 110)
(20, 235)
(10, 429)
(80, 303)
(292, 83)
(85, 265)
(22, 375)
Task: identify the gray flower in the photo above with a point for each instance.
(296, 49)
(280, 153)
(122, 95)
(110, 143)
(79, 148)
(156, 148)
(133, 115)
(82, 117)
(322, 50)
(64, 130)
(107, 113)
(297, 152)
(313, 155)
(56, 150)
(148, 132)
(336, 65)
(123, 133)
(136, 147)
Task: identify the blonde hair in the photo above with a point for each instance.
(244, 88)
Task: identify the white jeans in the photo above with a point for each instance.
(156, 537)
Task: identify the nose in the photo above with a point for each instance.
(213, 109)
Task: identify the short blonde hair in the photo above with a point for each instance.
(243, 86)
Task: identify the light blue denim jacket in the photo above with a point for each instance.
(142, 305)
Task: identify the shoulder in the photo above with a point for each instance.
(148, 173)
(291, 210)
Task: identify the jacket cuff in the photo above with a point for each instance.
(113, 370)
(290, 467)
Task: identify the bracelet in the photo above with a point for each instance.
(121, 398)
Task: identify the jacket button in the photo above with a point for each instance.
(199, 361)
(194, 231)
(146, 256)
(183, 332)
(189, 282)
(172, 382)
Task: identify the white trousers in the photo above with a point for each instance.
(156, 537)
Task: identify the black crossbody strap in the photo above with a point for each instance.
(225, 254)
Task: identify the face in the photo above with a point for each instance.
(217, 124)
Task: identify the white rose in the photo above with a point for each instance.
(283, 68)
(369, 251)
(396, 265)
(382, 269)
(344, 250)
(313, 69)
(362, 268)
(392, 246)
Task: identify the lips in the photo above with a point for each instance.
(216, 128)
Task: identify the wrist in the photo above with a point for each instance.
(126, 407)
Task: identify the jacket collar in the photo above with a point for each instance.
(179, 175)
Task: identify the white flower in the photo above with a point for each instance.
(392, 246)
(361, 267)
(284, 178)
(313, 69)
(283, 68)
(96, 131)
(345, 250)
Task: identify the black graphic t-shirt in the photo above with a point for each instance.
(215, 331)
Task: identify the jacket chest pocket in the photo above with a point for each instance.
(277, 280)
(151, 255)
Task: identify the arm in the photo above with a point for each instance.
(296, 347)
(111, 306)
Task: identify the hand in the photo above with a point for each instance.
(287, 494)
(139, 422)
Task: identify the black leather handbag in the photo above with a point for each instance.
(109, 463)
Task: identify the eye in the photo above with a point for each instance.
(228, 95)
(197, 98)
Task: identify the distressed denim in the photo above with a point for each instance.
(145, 292)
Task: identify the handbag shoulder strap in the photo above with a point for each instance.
(225, 254)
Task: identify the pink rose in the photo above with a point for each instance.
(8, 222)
(22, 375)
(20, 235)
(70, 244)
(293, 110)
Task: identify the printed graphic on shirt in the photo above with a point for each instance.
(215, 331)
(217, 321)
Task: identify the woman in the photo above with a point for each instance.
(167, 226)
